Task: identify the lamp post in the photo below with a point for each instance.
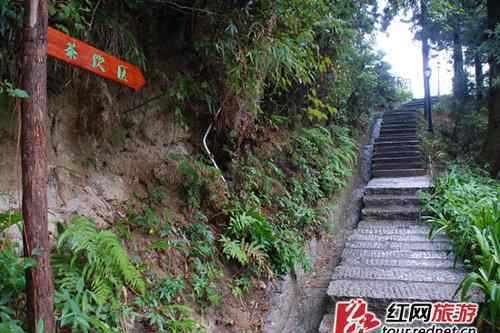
(428, 104)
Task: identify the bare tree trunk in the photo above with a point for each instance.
(478, 68)
(425, 57)
(459, 77)
(492, 145)
(39, 287)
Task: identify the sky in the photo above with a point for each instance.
(405, 56)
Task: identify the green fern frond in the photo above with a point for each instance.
(234, 249)
(107, 267)
(255, 252)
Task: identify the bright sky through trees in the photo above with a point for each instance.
(405, 56)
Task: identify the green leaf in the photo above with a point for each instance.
(18, 93)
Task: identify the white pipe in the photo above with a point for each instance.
(210, 155)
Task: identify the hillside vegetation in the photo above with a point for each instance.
(287, 89)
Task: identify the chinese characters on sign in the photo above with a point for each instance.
(418, 317)
(73, 51)
(122, 73)
(70, 50)
(437, 313)
(98, 62)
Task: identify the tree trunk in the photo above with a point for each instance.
(492, 145)
(39, 288)
(478, 68)
(459, 77)
(425, 62)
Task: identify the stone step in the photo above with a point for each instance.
(414, 109)
(396, 154)
(399, 109)
(413, 105)
(392, 213)
(343, 272)
(393, 191)
(403, 126)
(424, 245)
(399, 123)
(413, 118)
(393, 290)
(394, 231)
(398, 134)
(397, 159)
(398, 166)
(405, 259)
(397, 131)
(399, 173)
(400, 185)
(403, 138)
(400, 113)
(399, 126)
(398, 255)
(398, 137)
(393, 150)
(389, 148)
(392, 144)
(386, 200)
(400, 120)
(398, 237)
(403, 121)
(393, 224)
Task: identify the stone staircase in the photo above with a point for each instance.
(397, 152)
(420, 102)
(389, 257)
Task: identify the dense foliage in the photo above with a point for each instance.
(466, 205)
(91, 272)
(301, 75)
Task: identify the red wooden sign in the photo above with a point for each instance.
(76, 52)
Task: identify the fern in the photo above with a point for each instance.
(246, 253)
(257, 255)
(106, 267)
(234, 249)
(240, 223)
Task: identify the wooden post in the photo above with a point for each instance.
(39, 285)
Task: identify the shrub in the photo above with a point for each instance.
(12, 284)
(466, 205)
